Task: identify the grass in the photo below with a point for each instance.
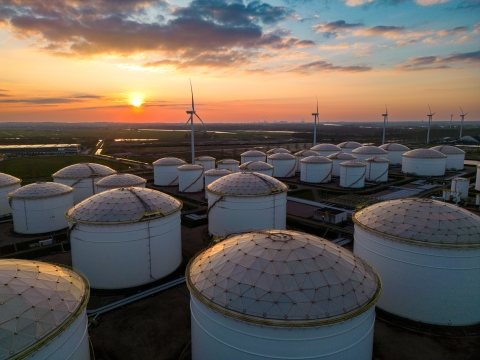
(34, 167)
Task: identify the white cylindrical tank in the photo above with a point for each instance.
(43, 310)
(82, 177)
(477, 199)
(279, 294)
(117, 181)
(326, 149)
(39, 207)
(212, 175)
(395, 152)
(246, 201)
(477, 182)
(447, 194)
(8, 183)
(229, 164)
(316, 169)
(377, 169)
(365, 152)
(165, 171)
(455, 156)
(207, 162)
(460, 187)
(337, 159)
(278, 150)
(257, 166)
(190, 178)
(352, 174)
(252, 155)
(283, 164)
(424, 162)
(413, 241)
(126, 237)
(348, 146)
(301, 155)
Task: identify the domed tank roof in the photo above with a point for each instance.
(255, 166)
(253, 153)
(316, 160)
(341, 156)
(8, 180)
(205, 158)
(83, 171)
(325, 147)
(247, 184)
(424, 154)
(217, 172)
(421, 220)
(353, 163)
(190, 167)
(40, 190)
(278, 277)
(120, 180)
(349, 145)
(377, 159)
(168, 161)
(394, 147)
(281, 156)
(278, 151)
(228, 161)
(124, 205)
(369, 150)
(448, 150)
(306, 153)
(38, 300)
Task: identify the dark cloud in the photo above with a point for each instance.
(88, 97)
(383, 30)
(209, 60)
(470, 5)
(463, 57)
(335, 27)
(41, 101)
(456, 31)
(434, 62)
(319, 66)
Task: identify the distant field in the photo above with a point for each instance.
(31, 167)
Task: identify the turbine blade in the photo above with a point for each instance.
(429, 109)
(317, 104)
(199, 118)
(461, 109)
(191, 90)
(434, 113)
(465, 114)
(386, 109)
(188, 120)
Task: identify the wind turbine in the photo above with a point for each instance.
(315, 117)
(430, 116)
(385, 119)
(461, 124)
(191, 113)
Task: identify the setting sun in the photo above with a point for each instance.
(136, 99)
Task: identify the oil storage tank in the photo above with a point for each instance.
(190, 178)
(352, 174)
(366, 152)
(126, 237)
(455, 156)
(252, 155)
(257, 166)
(279, 294)
(337, 159)
(165, 171)
(395, 152)
(212, 175)
(326, 149)
(246, 201)
(8, 183)
(424, 162)
(43, 310)
(299, 155)
(207, 162)
(377, 169)
(284, 164)
(477, 182)
(117, 181)
(82, 177)
(349, 146)
(39, 207)
(229, 164)
(427, 253)
(316, 169)
(278, 150)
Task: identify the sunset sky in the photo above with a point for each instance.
(131, 60)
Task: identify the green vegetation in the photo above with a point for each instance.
(306, 194)
(35, 167)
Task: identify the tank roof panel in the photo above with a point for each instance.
(394, 147)
(253, 153)
(247, 184)
(40, 190)
(316, 160)
(424, 154)
(8, 180)
(281, 156)
(278, 151)
(341, 156)
(325, 147)
(120, 180)
(169, 161)
(228, 161)
(217, 172)
(369, 150)
(349, 145)
(353, 163)
(377, 159)
(306, 153)
(83, 170)
(205, 158)
(448, 150)
(255, 165)
(190, 167)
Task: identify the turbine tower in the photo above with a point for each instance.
(315, 117)
(385, 119)
(451, 117)
(191, 113)
(461, 124)
(430, 116)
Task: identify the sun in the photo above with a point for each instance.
(137, 102)
(136, 99)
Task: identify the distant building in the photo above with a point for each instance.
(40, 149)
(329, 215)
